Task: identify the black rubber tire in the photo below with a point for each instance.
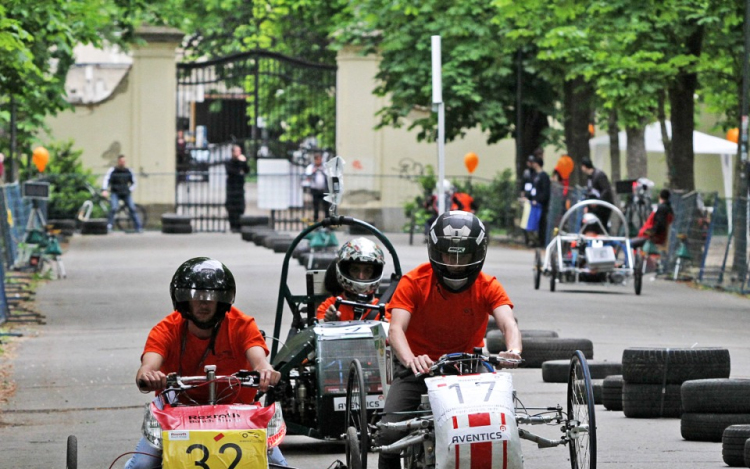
(356, 411)
(270, 240)
(321, 260)
(556, 371)
(67, 227)
(709, 427)
(303, 258)
(360, 230)
(537, 350)
(176, 229)
(353, 451)
(282, 245)
(302, 247)
(655, 365)
(537, 269)
(260, 236)
(612, 392)
(596, 387)
(638, 274)
(580, 407)
(651, 401)
(246, 233)
(175, 219)
(733, 445)
(94, 226)
(553, 272)
(255, 220)
(747, 453)
(71, 456)
(495, 340)
(491, 325)
(718, 396)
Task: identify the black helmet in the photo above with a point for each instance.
(457, 246)
(202, 278)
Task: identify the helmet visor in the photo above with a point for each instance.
(361, 271)
(188, 294)
(457, 253)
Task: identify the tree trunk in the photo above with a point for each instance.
(681, 100)
(636, 164)
(613, 131)
(666, 140)
(578, 99)
(535, 123)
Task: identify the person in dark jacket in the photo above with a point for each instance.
(118, 184)
(236, 168)
(598, 187)
(540, 195)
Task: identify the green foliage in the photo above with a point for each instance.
(68, 181)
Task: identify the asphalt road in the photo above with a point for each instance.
(75, 375)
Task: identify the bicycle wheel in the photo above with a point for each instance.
(358, 438)
(537, 269)
(553, 271)
(123, 220)
(71, 457)
(581, 423)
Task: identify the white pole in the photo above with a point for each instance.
(437, 101)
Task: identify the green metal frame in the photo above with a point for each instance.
(285, 295)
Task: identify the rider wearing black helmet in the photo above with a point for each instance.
(443, 307)
(204, 329)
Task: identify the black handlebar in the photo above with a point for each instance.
(459, 358)
(355, 304)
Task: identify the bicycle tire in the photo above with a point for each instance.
(123, 220)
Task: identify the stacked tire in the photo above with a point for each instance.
(173, 223)
(94, 226)
(537, 350)
(251, 224)
(67, 227)
(713, 405)
(734, 445)
(495, 340)
(652, 377)
(557, 371)
(612, 392)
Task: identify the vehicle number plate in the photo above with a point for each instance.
(214, 449)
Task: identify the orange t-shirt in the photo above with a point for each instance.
(445, 322)
(347, 312)
(237, 334)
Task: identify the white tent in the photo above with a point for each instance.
(703, 144)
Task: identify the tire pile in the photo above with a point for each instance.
(173, 223)
(94, 226)
(539, 346)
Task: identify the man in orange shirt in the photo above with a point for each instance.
(358, 270)
(204, 329)
(443, 307)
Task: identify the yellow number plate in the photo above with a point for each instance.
(214, 449)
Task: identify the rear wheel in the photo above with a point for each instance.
(581, 423)
(553, 271)
(537, 269)
(71, 458)
(358, 438)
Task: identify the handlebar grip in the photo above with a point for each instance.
(337, 303)
(403, 373)
(142, 385)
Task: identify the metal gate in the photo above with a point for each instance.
(269, 104)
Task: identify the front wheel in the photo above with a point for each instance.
(553, 271)
(580, 427)
(358, 438)
(71, 458)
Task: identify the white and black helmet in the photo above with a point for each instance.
(457, 246)
(359, 251)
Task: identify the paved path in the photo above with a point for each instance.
(75, 374)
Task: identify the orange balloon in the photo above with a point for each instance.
(40, 158)
(471, 160)
(733, 135)
(591, 130)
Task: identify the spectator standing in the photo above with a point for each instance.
(119, 183)
(236, 169)
(316, 181)
(598, 187)
(540, 195)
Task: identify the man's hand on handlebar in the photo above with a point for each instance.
(268, 377)
(512, 355)
(151, 380)
(420, 364)
(332, 314)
